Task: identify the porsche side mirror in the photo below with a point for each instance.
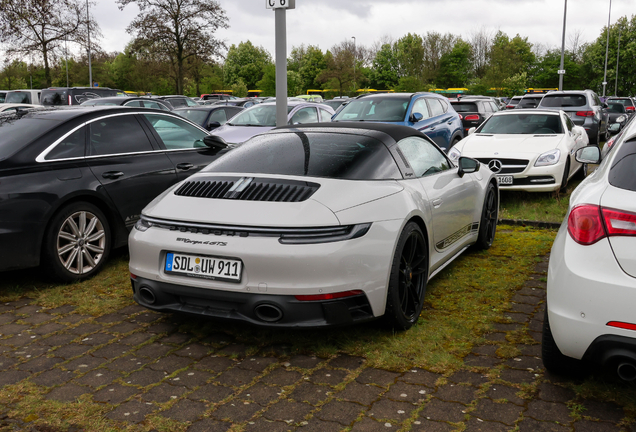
(215, 142)
(416, 117)
(467, 165)
(471, 130)
(590, 154)
(213, 125)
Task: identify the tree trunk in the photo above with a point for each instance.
(47, 70)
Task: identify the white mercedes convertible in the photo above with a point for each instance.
(313, 226)
(530, 150)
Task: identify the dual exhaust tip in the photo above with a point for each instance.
(265, 312)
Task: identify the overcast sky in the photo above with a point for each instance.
(327, 22)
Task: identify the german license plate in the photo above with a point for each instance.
(504, 180)
(205, 267)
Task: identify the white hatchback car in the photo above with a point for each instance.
(590, 312)
(529, 150)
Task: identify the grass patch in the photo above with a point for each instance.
(536, 206)
(105, 293)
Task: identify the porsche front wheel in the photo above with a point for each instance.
(488, 222)
(409, 276)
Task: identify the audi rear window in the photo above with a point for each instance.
(623, 173)
(330, 155)
(17, 131)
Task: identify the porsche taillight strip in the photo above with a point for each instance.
(286, 235)
(330, 296)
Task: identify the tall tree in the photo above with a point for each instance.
(340, 67)
(481, 42)
(384, 73)
(435, 45)
(308, 62)
(455, 66)
(508, 57)
(246, 62)
(42, 26)
(178, 30)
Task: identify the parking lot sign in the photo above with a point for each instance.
(280, 4)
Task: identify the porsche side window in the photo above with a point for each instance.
(70, 147)
(424, 157)
(175, 133)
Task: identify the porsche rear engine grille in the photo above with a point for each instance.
(249, 189)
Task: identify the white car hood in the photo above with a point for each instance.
(319, 210)
(478, 145)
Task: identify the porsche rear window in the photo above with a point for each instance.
(623, 173)
(331, 155)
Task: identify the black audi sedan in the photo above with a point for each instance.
(73, 181)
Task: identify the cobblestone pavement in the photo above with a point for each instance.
(138, 364)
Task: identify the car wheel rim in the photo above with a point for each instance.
(413, 275)
(80, 242)
(490, 218)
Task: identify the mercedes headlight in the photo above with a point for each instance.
(454, 154)
(548, 158)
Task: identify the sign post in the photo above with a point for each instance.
(280, 7)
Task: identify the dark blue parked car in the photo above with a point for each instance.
(428, 112)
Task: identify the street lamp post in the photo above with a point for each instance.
(354, 61)
(607, 47)
(561, 69)
(88, 27)
(618, 52)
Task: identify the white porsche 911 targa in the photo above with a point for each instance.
(313, 226)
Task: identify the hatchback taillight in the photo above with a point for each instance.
(630, 108)
(585, 113)
(472, 117)
(589, 223)
(510, 106)
(619, 223)
(585, 225)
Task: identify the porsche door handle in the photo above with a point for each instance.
(112, 174)
(185, 166)
(437, 203)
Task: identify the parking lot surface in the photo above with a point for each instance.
(135, 370)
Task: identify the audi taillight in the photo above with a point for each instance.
(619, 223)
(472, 117)
(585, 113)
(585, 224)
(589, 223)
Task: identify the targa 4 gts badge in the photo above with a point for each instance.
(195, 242)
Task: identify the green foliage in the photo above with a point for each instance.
(544, 73)
(384, 73)
(268, 83)
(14, 75)
(246, 62)
(515, 85)
(239, 89)
(408, 84)
(409, 53)
(455, 66)
(477, 87)
(339, 73)
(308, 62)
(508, 57)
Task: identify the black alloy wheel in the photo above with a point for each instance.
(409, 277)
(489, 217)
(77, 242)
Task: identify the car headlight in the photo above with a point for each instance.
(143, 225)
(621, 119)
(548, 158)
(454, 154)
